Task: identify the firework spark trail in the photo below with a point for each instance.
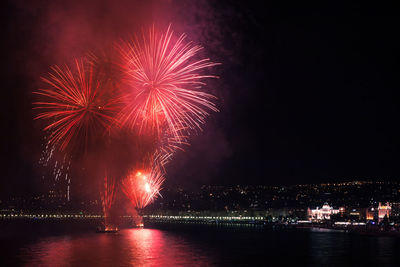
(74, 105)
(168, 146)
(50, 158)
(162, 76)
(143, 186)
(107, 197)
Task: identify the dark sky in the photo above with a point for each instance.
(307, 93)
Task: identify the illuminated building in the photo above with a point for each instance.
(384, 210)
(322, 214)
(378, 214)
(370, 214)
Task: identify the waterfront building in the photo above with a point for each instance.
(384, 210)
(371, 214)
(379, 213)
(323, 213)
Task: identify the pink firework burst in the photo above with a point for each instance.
(163, 81)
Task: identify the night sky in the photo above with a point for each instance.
(307, 93)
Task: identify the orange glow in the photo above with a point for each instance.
(111, 228)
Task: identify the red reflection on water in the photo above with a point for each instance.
(152, 247)
(48, 251)
(145, 245)
(131, 247)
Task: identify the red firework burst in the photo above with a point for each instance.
(143, 186)
(75, 105)
(162, 80)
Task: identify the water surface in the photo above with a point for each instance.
(76, 244)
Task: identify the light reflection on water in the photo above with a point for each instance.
(45, 244)
(130, 247)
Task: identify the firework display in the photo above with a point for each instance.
(74, 105)
(162, 84)
(143, 186)
(149, 87)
